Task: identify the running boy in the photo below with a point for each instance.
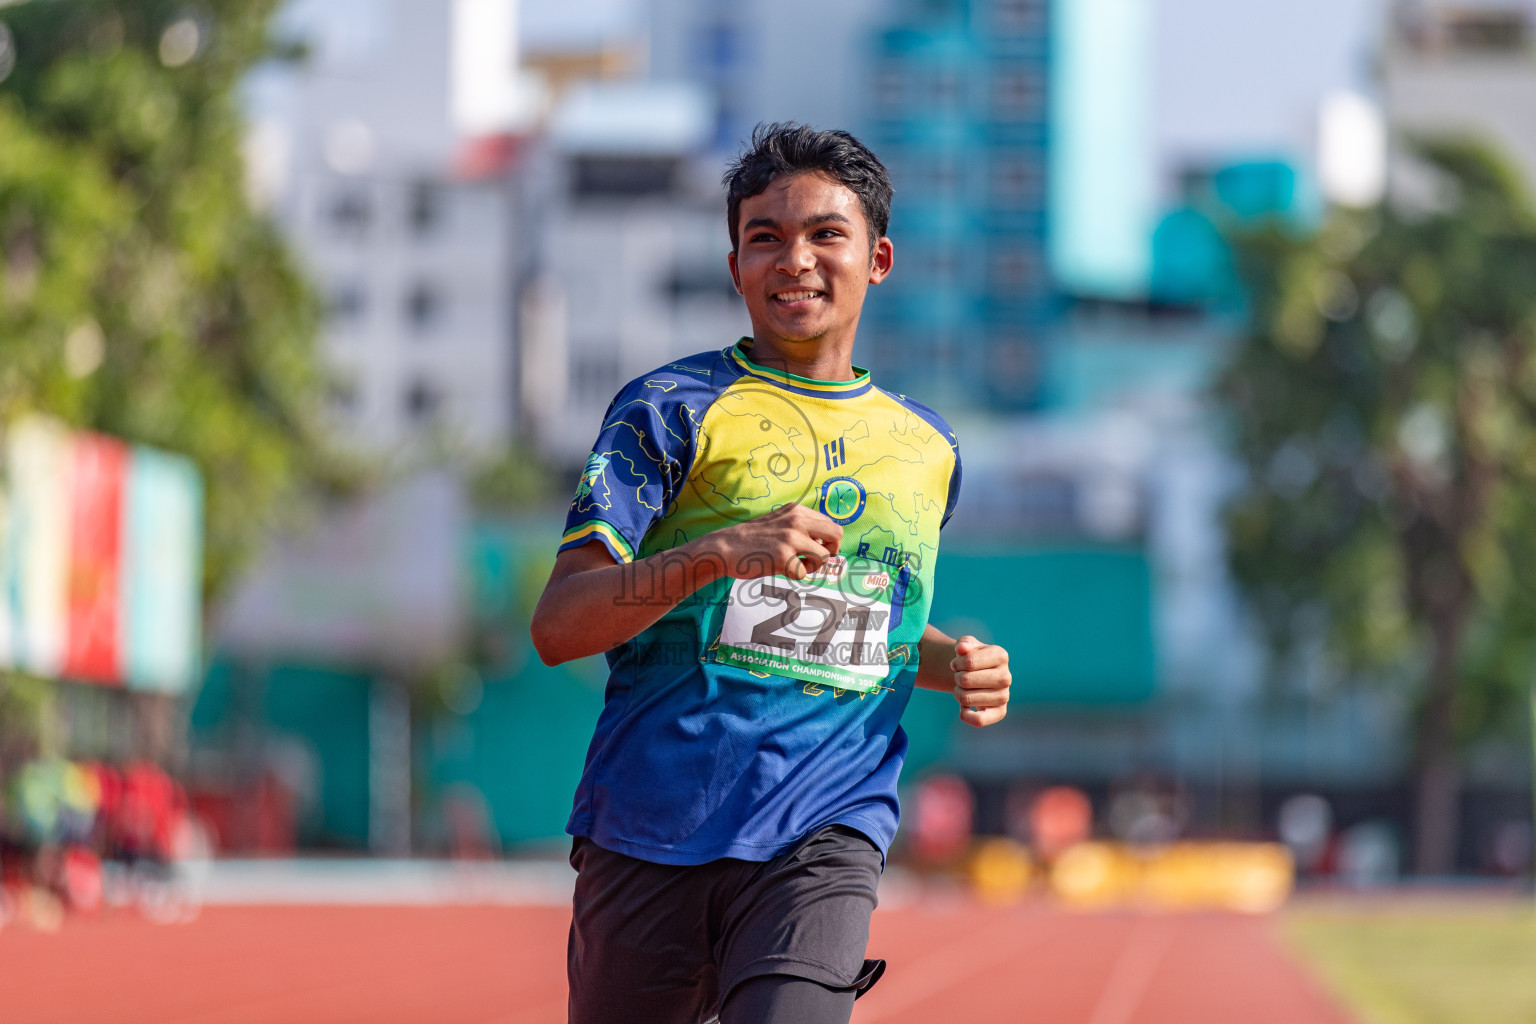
(752, 544)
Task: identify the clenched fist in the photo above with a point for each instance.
(981, 681)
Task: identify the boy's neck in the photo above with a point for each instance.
(824, 358)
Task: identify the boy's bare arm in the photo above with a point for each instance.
(592, 603)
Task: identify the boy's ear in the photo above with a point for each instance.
(730, 261)
(881, 260)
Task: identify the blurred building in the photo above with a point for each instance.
(503, 234)
(766, 60)
(383, 152)
(959, 110)
(1463, 69)
(1018, 139)
(629, 243)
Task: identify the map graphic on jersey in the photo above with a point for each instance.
(789, 691)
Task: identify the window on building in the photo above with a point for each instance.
(1019, 15)
(595, 177)
(351, 212)
(422, 401)
(939, 265)
(944, 178)
(942, 353)
(424, 210)
(1018, 95)
(1012, 370)
(890, 89)
(348, 303)
(948, 89)
(708, 282)
(1018, 182)
(423, 306)
(1014, 268)
(1493, 30)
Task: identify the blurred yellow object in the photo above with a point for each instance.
(1095, 875)
(1259, 876)
(1000, 871)
(1251, 878)
(82, 789)
(1181, 876)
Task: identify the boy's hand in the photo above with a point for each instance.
(792, 541)
(981, 681)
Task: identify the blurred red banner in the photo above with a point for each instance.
(93, 650)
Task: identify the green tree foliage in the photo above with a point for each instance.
(139, 293)
(1384, 407)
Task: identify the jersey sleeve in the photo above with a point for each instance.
(631, 477)
(954, 480)
(945, 431)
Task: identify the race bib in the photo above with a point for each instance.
(831, 628)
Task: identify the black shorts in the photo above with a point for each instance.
(666, 944)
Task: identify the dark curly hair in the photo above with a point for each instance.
(786, 147)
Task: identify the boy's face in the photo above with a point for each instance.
(804, 262)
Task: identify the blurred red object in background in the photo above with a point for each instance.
(945, 808)
(1061, 817)
(258, 819)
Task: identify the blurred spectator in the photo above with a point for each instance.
(1148, 814)
(467, 818)
(1370, 854)
(67, 825)
(941, 831)
(1305, 824)
(1508, 850)
(1060, 818)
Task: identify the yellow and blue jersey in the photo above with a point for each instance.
(758, 710)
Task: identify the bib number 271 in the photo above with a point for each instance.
(807, 630)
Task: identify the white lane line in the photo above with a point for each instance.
(1134, 970)
(943, 969)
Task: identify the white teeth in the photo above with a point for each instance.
(796, 296)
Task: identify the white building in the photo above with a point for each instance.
(381, 154)
(629, 228)
(1467, 69)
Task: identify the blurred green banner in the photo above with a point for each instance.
(1077, 622)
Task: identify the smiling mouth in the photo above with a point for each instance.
(804, 295)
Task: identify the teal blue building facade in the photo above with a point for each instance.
(959, 111)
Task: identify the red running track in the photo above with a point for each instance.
(497, 965)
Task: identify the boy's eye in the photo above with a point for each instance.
(761, 236)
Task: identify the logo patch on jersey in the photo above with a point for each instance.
(831, 570)
(842, 499)
(595, 465)
(834, 453)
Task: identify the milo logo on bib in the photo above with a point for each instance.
(832, 627)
